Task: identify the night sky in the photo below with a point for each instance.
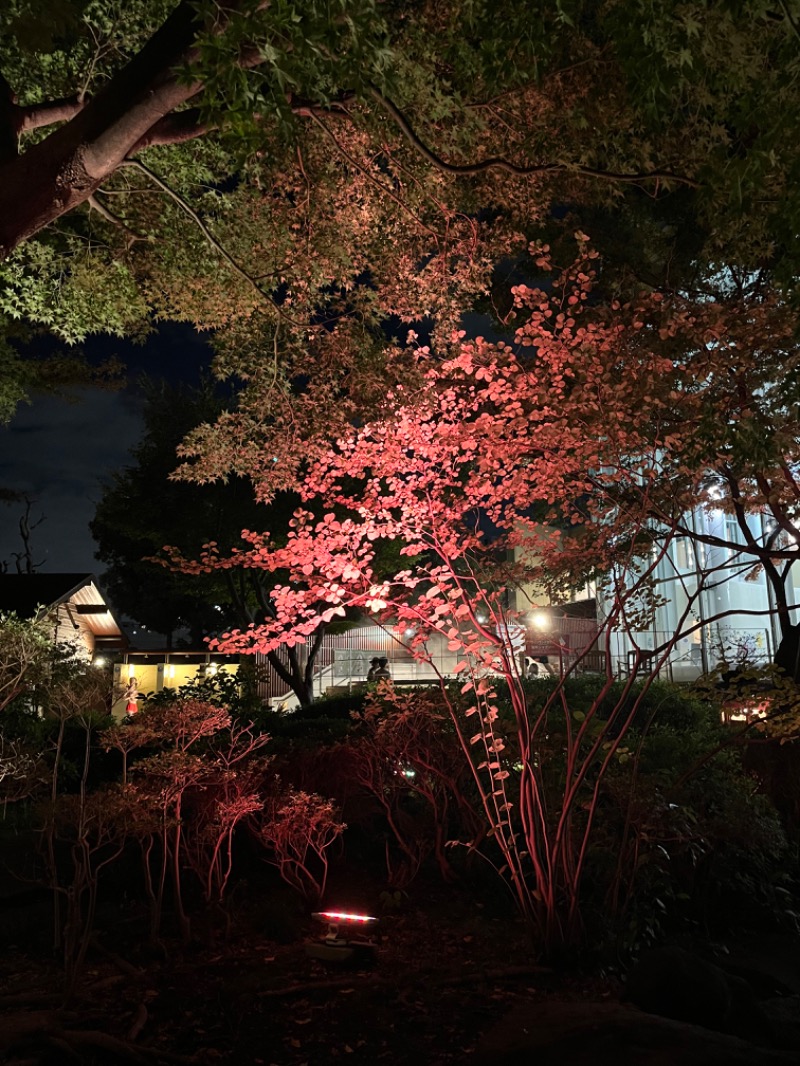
(59, 450)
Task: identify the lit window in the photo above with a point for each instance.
(684, 555)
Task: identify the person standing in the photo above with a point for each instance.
(131, 695)
(382, 673)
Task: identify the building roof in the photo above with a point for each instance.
(29, 595)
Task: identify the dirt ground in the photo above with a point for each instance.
(444, 972)
(451, 980)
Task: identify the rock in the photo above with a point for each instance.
(555, 1033)
(784, 1017)
(679, 984)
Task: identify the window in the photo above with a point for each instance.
(684, 554)
(745, 571)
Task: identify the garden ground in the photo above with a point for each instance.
(444, 972)
(452, 980)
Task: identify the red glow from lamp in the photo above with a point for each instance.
(344, 916)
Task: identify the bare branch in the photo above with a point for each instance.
(498, 163)
(209, 236)
(115, 220)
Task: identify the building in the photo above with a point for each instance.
(712, 601)
(73, 604)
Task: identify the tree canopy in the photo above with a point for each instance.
(329, 188)
(296, 175)
(311, 184)
(142, 509)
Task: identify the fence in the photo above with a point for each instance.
(699, 653)
(570, 644)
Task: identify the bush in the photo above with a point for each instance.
(681, 832)
(682, 838)
(343, 706)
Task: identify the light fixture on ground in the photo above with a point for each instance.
(339, 944)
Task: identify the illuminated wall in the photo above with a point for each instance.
(154, 676)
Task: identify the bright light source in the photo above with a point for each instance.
(344, 916)
(100, 661)
(409, 773)
(540, 619)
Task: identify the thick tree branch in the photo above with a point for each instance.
(9, 122)
(173, 129)
(522, 170)
(64, 170)
(36, 116)
(313, 651)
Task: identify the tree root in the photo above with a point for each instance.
(31, 999)
(28, 1024)
(76, 1039)
(121, 964)
(71, 1055)
(510, 973)
(138, 1023)
(53, 1027)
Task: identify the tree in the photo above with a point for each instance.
(141, 510)
(24, 561)
(728, 419)
(27, 366)
(577, 448)
(273, 170)
(25, 650)
(714, 377)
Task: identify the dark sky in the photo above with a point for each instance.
(59, 451)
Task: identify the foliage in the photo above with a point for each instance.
(686, 837)
(544, 452)
(196, 778)
(22, 773)
(677, 833)
(236, 692)
(299, 177)
(404, 754)
(401, 155)
(299, 828)
(141, 510)
(28, 365)
(343, 706)
(25, 648)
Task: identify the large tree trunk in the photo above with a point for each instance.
(787, 657)
(67, 167)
